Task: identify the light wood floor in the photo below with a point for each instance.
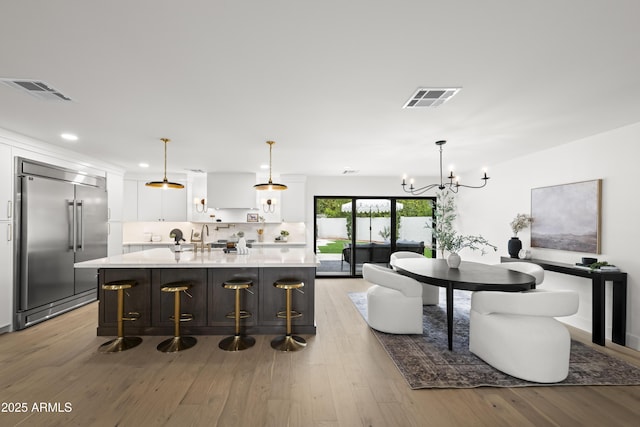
(343, 378)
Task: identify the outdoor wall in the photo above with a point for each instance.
(411, 228)
(612, 157)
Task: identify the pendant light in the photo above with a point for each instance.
(164, 183)
(270, 185)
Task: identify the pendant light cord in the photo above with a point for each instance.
(165, 140)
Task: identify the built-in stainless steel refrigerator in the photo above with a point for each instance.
(61, 219)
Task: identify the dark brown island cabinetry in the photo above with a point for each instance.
(209, 302)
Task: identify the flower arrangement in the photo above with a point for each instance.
(454, 243)
(520, 222)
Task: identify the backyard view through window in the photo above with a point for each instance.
(351, 231)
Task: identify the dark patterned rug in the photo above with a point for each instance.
(426, 362)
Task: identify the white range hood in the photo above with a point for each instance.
(231, 190)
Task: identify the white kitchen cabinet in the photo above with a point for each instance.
(293, 198)
(6, 183)
(157, 204)
(6, 276)
(115, 196)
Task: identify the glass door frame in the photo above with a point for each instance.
(352, 273)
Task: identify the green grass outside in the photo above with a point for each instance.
(333, 247)
(337, 246)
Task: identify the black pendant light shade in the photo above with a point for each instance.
(270, 185)
(165, 183)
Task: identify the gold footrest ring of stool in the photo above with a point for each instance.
(238, 341)
(288, 342)
(178, 342)
(121, 343)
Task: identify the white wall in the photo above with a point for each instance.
(612, 157)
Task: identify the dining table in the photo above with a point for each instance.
(469, 276)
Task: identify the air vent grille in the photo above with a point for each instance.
(39, 89)
(430, 97)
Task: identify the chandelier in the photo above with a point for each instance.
(453, 185)
(270, 185)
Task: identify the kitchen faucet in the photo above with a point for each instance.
(204, 226)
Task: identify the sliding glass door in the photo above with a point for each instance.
(351, 231)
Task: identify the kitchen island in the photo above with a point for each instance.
(210, 302)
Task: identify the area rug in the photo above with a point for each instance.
(426, 362)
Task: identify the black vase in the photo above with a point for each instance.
(515, 244)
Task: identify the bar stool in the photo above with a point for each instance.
(177, 343)
(121, 343)
(237, 342)
(288, 342)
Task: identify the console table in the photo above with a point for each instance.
(598, 279)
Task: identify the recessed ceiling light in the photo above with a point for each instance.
(69, 137)
(143, 165)
(430, 97)
(264, 166)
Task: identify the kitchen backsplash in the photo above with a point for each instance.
(134, 232)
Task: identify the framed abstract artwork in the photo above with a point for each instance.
(567, 216)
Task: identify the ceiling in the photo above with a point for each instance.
(326, 80)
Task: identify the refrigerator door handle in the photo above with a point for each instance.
(9, 209)
(9, 233)
(72, 226)
(80, 204)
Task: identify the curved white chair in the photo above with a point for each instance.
(430, 293)
(394, 302)
(516, 333)
(525, 267)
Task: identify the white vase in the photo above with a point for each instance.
(453, 260)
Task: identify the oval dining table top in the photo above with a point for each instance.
(470, 276)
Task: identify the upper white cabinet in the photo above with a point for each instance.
(114, 196)
(157, 204)
(293, 198)
(142, 203)
(231, 190)
(6, 183)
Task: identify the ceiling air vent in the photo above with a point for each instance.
(36, 88)
(426, 97)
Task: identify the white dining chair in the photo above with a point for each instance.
(517, 333)
(394, 302)
(430, 293)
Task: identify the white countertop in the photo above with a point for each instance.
(166, 258)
